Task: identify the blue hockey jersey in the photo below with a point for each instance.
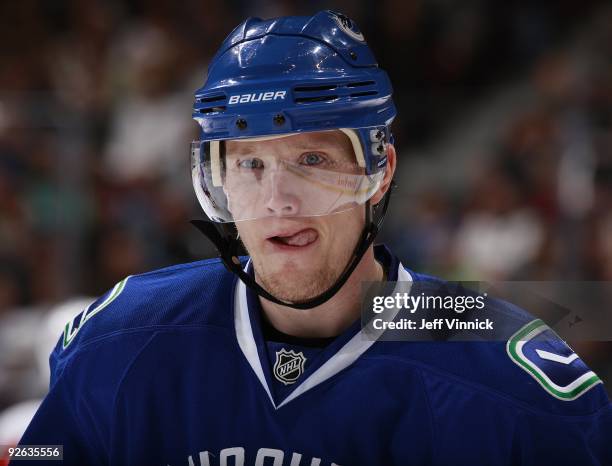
(171, 368)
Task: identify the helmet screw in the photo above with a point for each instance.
(279, 119)
(353, 55)
(241, 123)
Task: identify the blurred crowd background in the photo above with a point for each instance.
(504, 137)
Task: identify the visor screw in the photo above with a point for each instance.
(380, 149)
(279, 119)
(353, 55)
(241, 123)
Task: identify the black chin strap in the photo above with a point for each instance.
(224, 238)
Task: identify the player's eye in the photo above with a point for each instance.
(312, 159)
(251, 164)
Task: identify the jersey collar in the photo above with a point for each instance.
(340, 354)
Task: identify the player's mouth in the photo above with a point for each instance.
(294, 241)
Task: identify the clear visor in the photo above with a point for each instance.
(305, 175)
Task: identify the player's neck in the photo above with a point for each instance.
(332, 317)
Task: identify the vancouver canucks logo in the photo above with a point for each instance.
(536, 349)
(289, 366)
(347, 25)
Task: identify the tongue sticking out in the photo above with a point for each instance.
(301, 238)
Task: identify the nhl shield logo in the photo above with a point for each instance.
(289, 366)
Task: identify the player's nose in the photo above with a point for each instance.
(280, 199)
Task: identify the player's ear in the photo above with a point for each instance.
(390, 171)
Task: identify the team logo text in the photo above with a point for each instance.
(257, 97)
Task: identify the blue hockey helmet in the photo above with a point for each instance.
(290, 75)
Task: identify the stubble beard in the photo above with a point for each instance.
(291, 281)
(295, 284)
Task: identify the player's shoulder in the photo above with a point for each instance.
(524, 362)
(184, 295)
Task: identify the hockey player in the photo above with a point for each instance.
(262, 360)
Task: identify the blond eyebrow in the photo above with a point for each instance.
(317, 146)
(328, 140)
(241, 150)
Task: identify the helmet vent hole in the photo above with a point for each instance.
(362, 94)
(329, 87)
(361, 83)
(214, 98)
(318, 98)
(220, 108)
